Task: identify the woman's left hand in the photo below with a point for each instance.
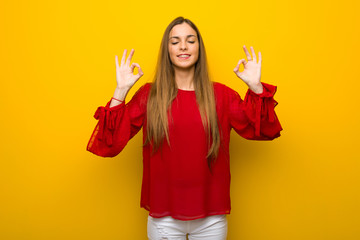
(252, 70)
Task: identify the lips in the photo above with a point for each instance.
(184, 55)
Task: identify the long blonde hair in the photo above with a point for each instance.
(164, 91)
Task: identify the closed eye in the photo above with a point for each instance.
(178, 42)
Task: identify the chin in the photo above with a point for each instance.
(188, 65)
(184, 66)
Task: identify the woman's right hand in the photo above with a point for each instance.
(125, 77)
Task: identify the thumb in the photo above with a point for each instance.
(140, 72)
(133, 65)
(238, 65)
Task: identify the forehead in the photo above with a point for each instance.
(182, 30)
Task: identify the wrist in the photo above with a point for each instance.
(120, 93)
(257, 88)
(122, 88)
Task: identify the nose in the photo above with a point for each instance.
(183, 45)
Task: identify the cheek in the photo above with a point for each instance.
(173, 55)
(171, 52)
(196, 50)
(196, 53)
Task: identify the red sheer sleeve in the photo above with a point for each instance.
(118, 124)
(255, 118)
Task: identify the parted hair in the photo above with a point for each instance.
(164, 91)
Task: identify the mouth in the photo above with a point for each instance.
(183, 56)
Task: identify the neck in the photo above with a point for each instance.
(184, 78)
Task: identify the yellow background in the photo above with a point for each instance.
(57, 67)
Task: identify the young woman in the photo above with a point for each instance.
(187, 119)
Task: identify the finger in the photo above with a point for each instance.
(123, 57)
(253, 53)
(247, 53)
(243, 61)
(133, 65)
(238, 65)
(140, 72)
(260, 58)
(129, 57)
(116, 61)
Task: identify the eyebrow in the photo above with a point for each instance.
(179, 37)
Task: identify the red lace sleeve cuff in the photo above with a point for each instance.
(107, 116)
(260, 107)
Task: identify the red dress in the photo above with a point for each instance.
(176, 180)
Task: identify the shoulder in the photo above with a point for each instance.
(144, 89)
(222, 94)
(146, 86)
(222, 89)
(141, 94)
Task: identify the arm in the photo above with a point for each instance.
(118, 124)
(120, 94)
(254, 118)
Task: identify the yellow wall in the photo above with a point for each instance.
(57, 67)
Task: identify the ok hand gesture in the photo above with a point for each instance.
(252, 70)
(125, 77)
